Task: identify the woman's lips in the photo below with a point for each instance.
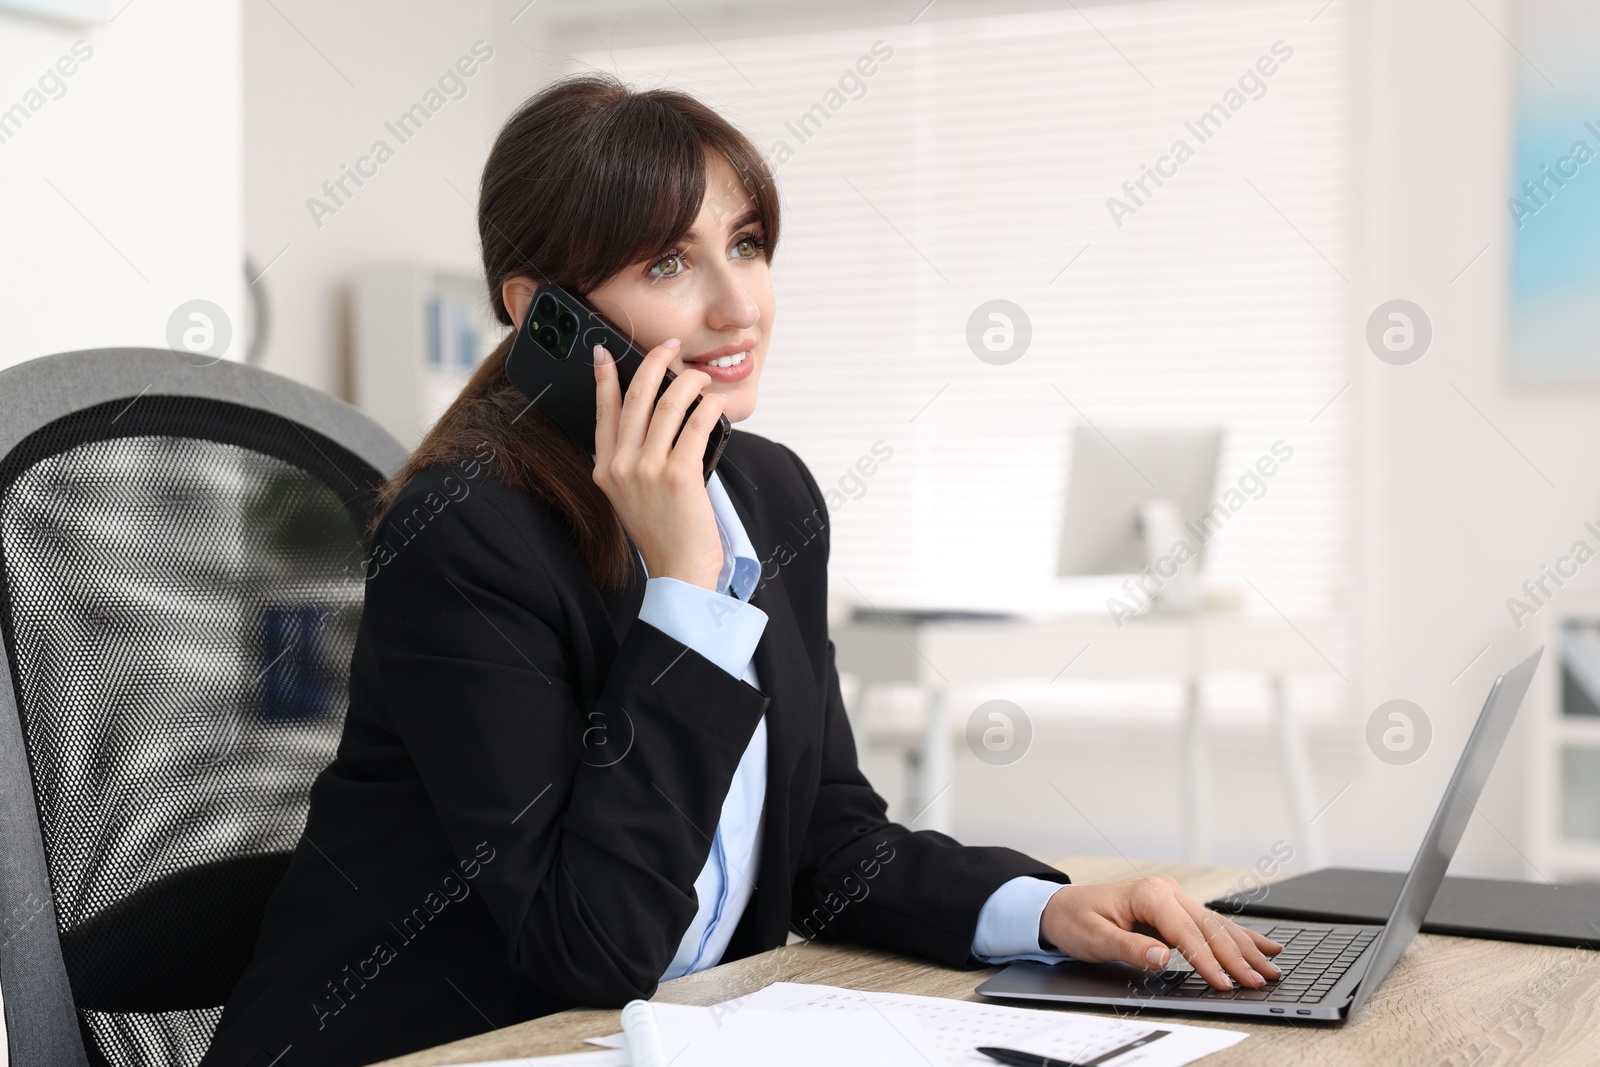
(739, 359)
(745, 362)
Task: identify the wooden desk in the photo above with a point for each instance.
(1455, 1001)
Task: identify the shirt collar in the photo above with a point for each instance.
(740, 568)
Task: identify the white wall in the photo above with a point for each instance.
(122, 186)
(319, 91)
(1459, 502)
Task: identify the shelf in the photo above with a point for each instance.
(1563, 828)
(419, 333)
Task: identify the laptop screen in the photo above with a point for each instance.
(1449, 822)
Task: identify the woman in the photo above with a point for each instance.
(595, 737)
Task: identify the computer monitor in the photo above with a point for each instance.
(1129, 492)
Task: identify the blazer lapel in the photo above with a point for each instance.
(794, 721)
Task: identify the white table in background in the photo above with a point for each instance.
(881, 646)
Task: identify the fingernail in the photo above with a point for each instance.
(1256, 975)
(672, 342)
(1155, 956)
(1273, 970)
(601, 356)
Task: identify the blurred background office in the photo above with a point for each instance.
(1348, 243)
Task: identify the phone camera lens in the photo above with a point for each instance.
(569, 322)
(548, 337)
(546, 306)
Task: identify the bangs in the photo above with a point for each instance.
(646, 182)
(591, 177)
(640, 180)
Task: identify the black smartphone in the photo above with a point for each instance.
(552, 364)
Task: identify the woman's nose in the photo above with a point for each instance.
(732, 306)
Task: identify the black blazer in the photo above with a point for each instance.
(529, 778)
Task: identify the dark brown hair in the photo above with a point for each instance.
(587, 178)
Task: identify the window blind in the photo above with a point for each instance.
(985, 158)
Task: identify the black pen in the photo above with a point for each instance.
(1014, 1058)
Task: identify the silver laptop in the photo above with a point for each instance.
(1328, 970)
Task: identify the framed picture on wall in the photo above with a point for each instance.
(1554, 203)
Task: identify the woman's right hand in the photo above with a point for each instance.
(1102, 921)
(658, 488)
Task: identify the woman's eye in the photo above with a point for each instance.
(668, 265)
(672, 264)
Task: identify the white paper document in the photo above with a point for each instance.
(807, 1025)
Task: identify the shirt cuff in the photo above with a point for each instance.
(1008, 925)
(723, 629)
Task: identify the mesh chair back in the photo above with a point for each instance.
(180, 586)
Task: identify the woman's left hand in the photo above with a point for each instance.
(1096, 924)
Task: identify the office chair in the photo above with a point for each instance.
(181, 578)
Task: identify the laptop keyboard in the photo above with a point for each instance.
(1312, 960)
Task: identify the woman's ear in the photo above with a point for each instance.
(517, 293)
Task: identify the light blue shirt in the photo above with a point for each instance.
(725, 628)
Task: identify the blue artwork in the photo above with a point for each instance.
(1554, 204)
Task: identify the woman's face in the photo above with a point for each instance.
(712, 292)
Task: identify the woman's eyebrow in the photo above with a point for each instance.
(746, 219)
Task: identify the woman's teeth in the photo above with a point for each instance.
(726, 361)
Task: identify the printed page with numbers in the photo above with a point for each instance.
(957, 1027)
